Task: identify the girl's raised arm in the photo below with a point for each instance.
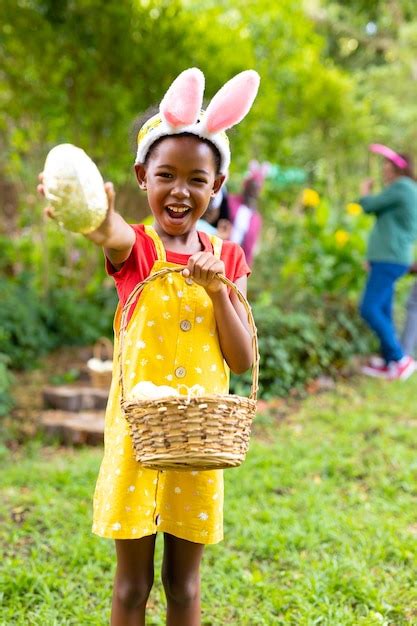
(115, 235)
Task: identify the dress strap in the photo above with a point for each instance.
(159, 246)
(217, 243)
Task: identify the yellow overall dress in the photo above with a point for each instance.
(171, 339)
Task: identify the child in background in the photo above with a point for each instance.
(246, 221)
(185, 329)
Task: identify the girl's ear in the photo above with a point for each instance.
(232, 102)
(218, 182)
(140, 175)
(182, 103)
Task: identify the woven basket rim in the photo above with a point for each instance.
(123, 324)
(192, 401)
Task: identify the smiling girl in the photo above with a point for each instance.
(185, 329)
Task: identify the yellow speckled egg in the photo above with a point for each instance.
(74, 188)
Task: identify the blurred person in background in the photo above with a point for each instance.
(389, 255)
(216, 220)
(243, 210)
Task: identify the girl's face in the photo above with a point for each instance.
(180, 178)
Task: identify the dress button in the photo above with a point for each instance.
(185, 325)
(189, 281)
(180, 372)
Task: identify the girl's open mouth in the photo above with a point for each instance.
(177, 212)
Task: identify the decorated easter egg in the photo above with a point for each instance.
(74, 188)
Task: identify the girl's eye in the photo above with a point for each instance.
(164, 175)
(200, 180)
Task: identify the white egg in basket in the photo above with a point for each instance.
(74, 188)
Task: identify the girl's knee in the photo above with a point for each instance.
(132, 593)
(181, 592)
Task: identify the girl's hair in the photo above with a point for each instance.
(408, 169)
(144, 117)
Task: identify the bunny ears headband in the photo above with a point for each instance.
(180, 112)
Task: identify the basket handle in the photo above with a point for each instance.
(168, 270)
(102, 346)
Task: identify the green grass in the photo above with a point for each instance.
(320, 523)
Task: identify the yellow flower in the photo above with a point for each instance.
(353, 208)
(342, 237)
(310, 198)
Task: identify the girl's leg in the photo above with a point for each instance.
(133, 581)
(181, 579)
(376, 306)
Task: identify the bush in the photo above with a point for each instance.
(80, 318)
(296, 347)
(6, 379)
(31, 325)
(23, 334)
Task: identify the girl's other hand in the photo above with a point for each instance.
(203, 268)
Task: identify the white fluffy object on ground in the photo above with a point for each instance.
(75, 189)
(97, 365)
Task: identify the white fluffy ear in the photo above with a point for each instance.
(232, 102)
(182, 103)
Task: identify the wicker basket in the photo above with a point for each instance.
(103, 350)
(190, 433)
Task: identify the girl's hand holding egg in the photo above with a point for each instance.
(74, 186)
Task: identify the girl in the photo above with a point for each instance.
(185, 329)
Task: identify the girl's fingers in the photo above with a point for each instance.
(41, 189)
(203, 268)
(192, 261)
(49, 212)
(110, 193)
(208, 270)
(40, 177)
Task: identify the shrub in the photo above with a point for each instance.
(31, 325)
(23, 335)
(6, 379)
(296, 347)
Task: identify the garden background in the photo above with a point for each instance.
(336, 76)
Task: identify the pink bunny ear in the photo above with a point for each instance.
(232, 102)
(181, 104)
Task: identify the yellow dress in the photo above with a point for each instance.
(171, 339)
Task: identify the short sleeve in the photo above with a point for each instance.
(137, 266)
(234, 260)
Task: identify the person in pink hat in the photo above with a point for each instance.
(389, 255)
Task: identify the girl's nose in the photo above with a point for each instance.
(181, 191)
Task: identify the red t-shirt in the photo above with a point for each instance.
(138, 265)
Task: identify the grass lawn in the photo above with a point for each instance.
(320, 523)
